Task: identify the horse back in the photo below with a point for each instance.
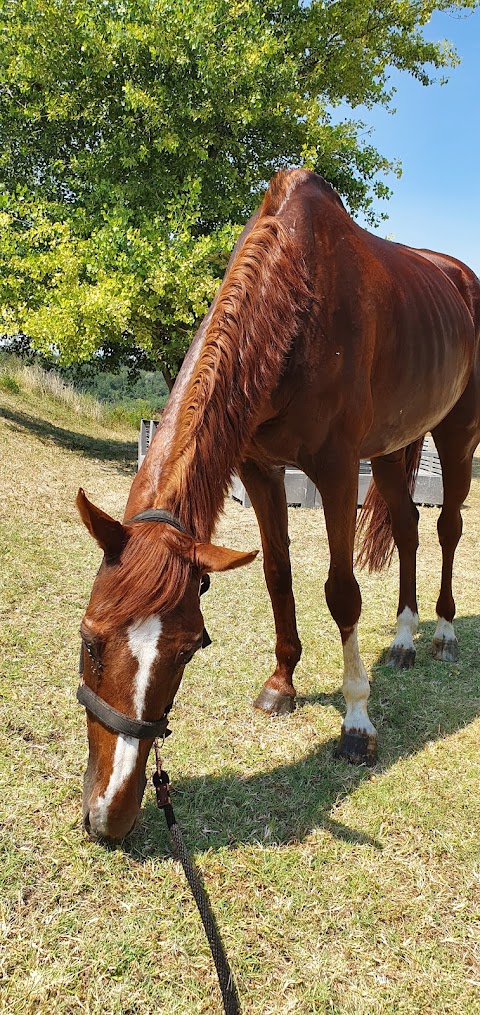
(464, 279)
(390, 343)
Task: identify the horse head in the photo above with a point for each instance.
(142, 626)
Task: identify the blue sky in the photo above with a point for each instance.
(436, 135)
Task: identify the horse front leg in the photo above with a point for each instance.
(266, 489)
(337, 480)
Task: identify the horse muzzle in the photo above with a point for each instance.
(109, 822)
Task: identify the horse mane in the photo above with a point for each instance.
(151, 576)
(255, 321)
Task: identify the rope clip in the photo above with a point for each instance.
(161, 780)
(162, 788)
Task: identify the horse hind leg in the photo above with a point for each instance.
(455, 451)
(391, 481)
(266, 489)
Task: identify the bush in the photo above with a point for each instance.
(131, 412)
(8, 383)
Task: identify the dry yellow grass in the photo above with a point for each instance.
(338, 890)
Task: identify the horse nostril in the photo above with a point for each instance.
(86, 824)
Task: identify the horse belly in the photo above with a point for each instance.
(420, 374)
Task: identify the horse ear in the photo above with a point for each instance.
(111, 535)
(218, 558)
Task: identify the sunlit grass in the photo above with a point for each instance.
(338, 890)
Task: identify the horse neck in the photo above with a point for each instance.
(235, 368)
(204, 432)
(193, 483)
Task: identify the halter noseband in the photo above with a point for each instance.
(117, 721)
(110, 717)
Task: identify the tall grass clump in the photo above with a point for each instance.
(37, 381)
(17, 377)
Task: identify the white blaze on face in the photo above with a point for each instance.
(143, 638)
(407, 625)
(355, 688)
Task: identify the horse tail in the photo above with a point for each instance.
(374, 528)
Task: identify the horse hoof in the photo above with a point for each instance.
(446, 650)
(401, 658)
(274, 702)
(356, 747)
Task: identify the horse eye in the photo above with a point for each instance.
(184, 657)
(93, 650)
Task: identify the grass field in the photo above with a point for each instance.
(337, 890)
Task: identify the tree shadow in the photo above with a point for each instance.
(275, 808)
(121, 453)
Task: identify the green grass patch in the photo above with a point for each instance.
(131, 412)
(9, 383)
(337, 890)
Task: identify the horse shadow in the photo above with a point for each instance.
(410, 708)
(122, 454)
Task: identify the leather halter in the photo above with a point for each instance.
(117, 721)
(158, 515)
(109, 716)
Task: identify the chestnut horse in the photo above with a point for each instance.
(324, 345)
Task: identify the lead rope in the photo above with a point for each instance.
(231, 1001)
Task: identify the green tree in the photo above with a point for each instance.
(136, 136)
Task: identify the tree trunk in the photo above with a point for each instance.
(169, 378)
